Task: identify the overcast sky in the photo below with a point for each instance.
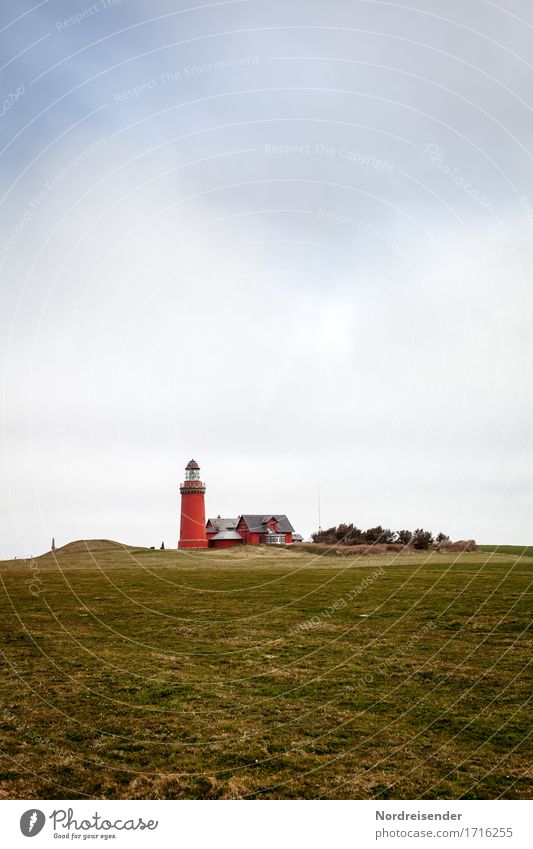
(292, 240)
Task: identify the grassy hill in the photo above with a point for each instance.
(253, 673)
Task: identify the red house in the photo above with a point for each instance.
(221, 533)
(249, 529)
(269, 529)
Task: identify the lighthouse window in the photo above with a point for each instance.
(192, 475)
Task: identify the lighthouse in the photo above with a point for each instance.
(192, 525)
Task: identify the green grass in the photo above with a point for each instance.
(516, 550)
(265, 674)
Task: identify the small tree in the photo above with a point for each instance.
(404, 537)
(327, 537)
(342, 532)
(422, 539)
(162, 546)
(442, 537)
(354, 536)
(373, 534)
(379, 534)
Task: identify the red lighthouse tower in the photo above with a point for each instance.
(192, 525)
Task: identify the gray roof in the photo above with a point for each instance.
(226, 535)
(223, 524)
(257, 521)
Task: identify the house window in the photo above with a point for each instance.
(275, 539)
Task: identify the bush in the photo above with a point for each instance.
(379, 534)
(348, 534)
(422, 539)
(404, 537)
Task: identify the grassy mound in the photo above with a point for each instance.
(91, 545)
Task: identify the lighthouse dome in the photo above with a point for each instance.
(192, 464)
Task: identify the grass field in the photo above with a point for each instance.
(130, 673)
(515, 550)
